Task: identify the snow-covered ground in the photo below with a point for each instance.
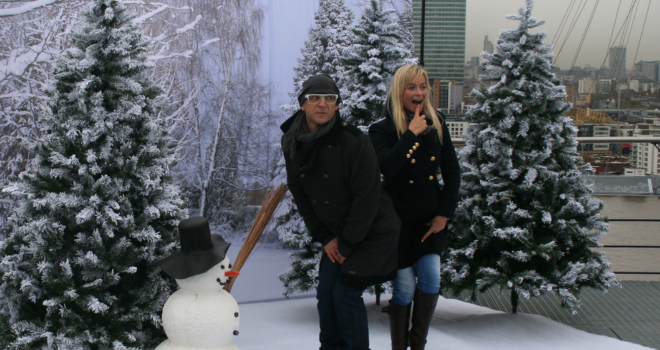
(293, 324)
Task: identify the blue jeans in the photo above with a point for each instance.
(342, 314)
(427, 269)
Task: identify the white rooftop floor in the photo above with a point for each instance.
(293, 324)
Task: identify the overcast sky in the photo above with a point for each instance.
(288, 22)
(486, 17)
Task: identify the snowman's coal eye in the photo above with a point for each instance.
(223, 267)
(230, 266)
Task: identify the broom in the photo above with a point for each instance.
(268, 206)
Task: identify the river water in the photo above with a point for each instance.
(633, 233)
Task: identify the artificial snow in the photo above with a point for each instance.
(277, 323)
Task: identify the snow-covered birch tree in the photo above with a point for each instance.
(223, 133)
(99, 207)
(527, 222)
(375, 53)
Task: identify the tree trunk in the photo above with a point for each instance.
(379, 291)
(514, 301)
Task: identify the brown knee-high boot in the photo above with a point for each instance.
(399, 324)
(422, 313)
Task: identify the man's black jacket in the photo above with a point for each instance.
(336, 187)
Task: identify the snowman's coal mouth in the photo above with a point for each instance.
(223, 283)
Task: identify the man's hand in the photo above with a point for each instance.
(418, 123)
(437, 224)
(332, 249)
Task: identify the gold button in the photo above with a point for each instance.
(411, 181)
(407, 155)
(410, 151)
(431, 177)
(415, 148)
(432, 158)
(413, 161)
(417, 144)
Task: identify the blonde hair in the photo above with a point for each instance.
(403, 76)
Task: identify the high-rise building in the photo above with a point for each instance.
(646, 155)
(633, 85)
(648, 70)
(605, 86)
(617, 59)
(474, 62)
(444, 38)
(586, 86)
(488, 45)
(447, 96)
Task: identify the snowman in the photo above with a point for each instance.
(201, 314)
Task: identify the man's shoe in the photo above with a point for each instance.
(422, 313)
(399, 324)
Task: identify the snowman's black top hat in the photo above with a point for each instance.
(200, 250)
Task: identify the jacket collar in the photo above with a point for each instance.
(331, 137)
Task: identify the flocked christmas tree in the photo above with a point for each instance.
(376, 52)
(328, 38)
(527, 221)
(99, 207)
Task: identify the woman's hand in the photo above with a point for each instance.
(418, 123)
(437, 224)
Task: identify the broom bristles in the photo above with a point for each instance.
(268, 206)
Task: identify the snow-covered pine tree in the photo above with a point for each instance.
(406, 26)
(376, 52)
(99, 206)
(328, 38)
(527, 220)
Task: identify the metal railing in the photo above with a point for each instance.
(633, 246)
(595, 139)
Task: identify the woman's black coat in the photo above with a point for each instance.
(410, 166)
(336, 187)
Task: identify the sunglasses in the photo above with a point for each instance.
(316, 99)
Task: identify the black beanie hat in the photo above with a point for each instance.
(318, 84)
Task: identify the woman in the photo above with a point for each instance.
(412, 144)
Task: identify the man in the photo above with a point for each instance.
(332, 172)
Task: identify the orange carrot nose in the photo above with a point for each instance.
(231, 273)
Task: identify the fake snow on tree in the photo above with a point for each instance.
(201, 314)
(376, 51)
(327, 39)
(98, 203)
(527, 221)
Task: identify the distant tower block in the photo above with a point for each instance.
(444, 38)
(617, 59)
(488, 45)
